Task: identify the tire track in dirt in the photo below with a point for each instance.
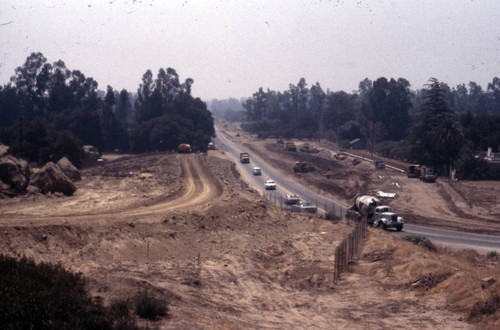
(201, 187)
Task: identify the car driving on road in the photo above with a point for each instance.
(304, 206)
(291, 199)
(257, 171)
(270, 185)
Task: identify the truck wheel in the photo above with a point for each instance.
(382, 225)
(399, 228)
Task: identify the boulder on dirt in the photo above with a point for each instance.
(69, 169)
(14, 173)
(52, 179)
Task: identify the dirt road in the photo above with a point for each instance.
(197, 186)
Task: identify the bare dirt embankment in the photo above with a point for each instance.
(181, 227)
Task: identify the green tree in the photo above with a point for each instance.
(109, 125)
(390, 101)
(168, 115)
(340, 108)
(436, 139)
(9, 106)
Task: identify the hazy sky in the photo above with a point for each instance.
(231, 48)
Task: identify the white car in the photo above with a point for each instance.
(270, 185)
(256, 171)
(304, 206)
(291, 199)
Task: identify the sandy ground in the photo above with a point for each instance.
(182, 227)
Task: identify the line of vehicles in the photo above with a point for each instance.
(376, 213)
(292, 200)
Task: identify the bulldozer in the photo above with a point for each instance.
(303, 167)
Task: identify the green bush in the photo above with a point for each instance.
(421, 240)
(149, 307)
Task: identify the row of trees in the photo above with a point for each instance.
(386, 116)
(45, 103)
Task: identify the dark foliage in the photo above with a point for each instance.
(45, 296)
(429, 281)
(420, 240)
(168, 115)
(37, 141)
(481, 308)
(149, 307)
(394, 149)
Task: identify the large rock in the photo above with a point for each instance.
(69, 169)
(52, 179)
(14, 173)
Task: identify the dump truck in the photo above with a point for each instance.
(428, 175)
(244, 157)
(379, 165)
(340, 155)
(184, 148)
(413, 171)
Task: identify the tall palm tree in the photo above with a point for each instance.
(447, 138)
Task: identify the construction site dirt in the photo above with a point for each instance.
(223, 257)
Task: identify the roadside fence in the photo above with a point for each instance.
(349, 248)
(324, 207)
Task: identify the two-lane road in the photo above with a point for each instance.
(285, 185)
(453, 239)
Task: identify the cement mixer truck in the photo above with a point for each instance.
(366, 205)
(378, 215)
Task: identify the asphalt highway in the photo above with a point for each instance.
(452, 239)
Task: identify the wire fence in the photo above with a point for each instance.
(349, 248)
(323, 207)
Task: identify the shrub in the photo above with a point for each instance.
(119, 309)
(46, 296)
(332, 216)
(420, 240)
(149, 307)
(493, 254)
